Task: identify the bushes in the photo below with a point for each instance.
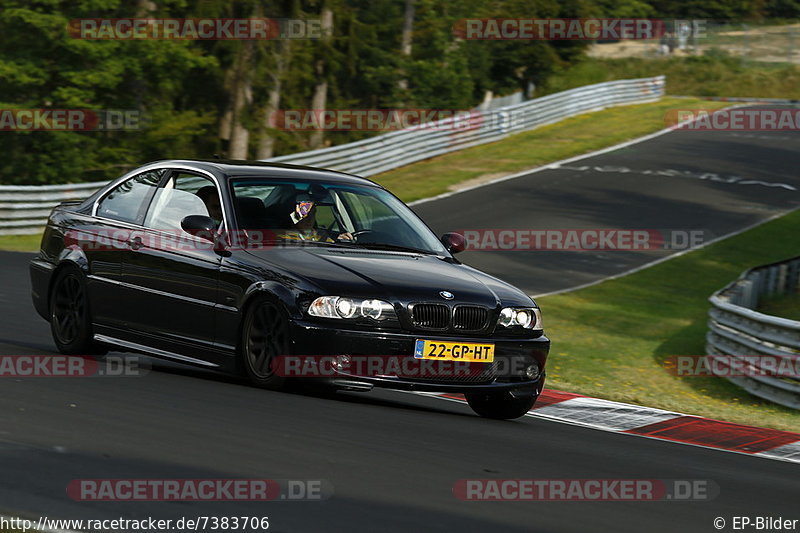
(713, 74)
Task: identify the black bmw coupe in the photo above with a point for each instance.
(285, 274)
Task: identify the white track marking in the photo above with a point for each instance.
(604, 414)
(787, 452)
(556, 164)
(668, 257)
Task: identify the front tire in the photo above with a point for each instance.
(265, 336)
(70, 316)
(501, 405)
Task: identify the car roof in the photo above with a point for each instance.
(233, 168)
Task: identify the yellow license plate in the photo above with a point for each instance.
(454, 351)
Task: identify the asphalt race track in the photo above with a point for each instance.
(665, 183)
(392, 458)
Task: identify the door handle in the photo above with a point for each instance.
(135, 243)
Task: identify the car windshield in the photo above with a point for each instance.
(330, 213)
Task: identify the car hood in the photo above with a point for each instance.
(395, 276)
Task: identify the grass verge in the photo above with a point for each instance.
(20, 243)
(785, 306)
(568, 138)
(611, 340)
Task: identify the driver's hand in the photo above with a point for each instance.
(346, 236)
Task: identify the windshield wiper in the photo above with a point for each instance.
(393, 248)
(292, 243)
(344, 244)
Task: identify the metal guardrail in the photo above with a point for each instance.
(24, 209)
(737, 330)
(502, 101)
(392, 150)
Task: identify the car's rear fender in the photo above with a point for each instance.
(54, 256)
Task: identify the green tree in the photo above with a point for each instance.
(44, 67)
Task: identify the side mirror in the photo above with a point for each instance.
(204, 227)
(200, 226)
(454, 242)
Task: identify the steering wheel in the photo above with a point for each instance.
(357, 234)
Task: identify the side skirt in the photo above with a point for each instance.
(136, 347)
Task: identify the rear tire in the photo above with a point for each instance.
(501, 405)
(70, 315)
(265, 336)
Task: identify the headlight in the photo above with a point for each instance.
(339, 307)
(374, 309)
(506, 317)
(345, 307)
(524, 317)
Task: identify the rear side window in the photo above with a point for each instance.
(129, 200)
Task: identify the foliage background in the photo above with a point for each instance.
(211, 97)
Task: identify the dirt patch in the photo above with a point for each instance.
(764, 43)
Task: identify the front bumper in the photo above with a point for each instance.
(512, 356)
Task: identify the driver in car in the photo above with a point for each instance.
(210, 197)
(304, 225)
